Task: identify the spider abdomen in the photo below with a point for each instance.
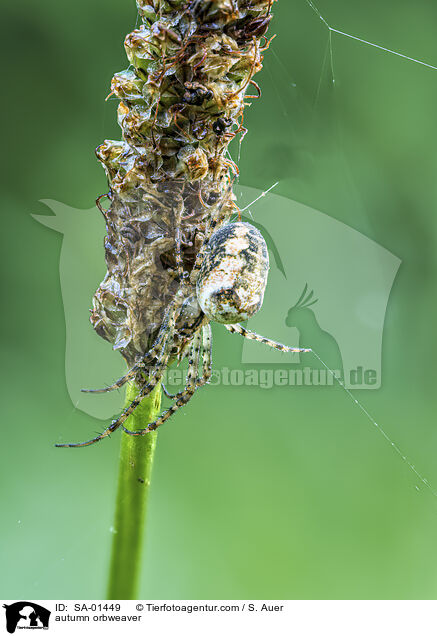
(233, 275)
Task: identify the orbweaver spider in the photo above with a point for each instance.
(226, 285)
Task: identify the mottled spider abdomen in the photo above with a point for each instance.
(233, 274)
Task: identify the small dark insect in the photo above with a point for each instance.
(226, 285)
(220, 126)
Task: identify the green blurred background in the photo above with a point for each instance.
(281, 493)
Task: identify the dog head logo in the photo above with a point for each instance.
(26, 615)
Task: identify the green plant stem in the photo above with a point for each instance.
(136, 459)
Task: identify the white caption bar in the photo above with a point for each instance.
(303, 618)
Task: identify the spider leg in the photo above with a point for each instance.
(187, 394)
(111, 428)
(270, 343)
(184, 399)
(171, 396)
(207, 356)
(118, 383)
(214, 221)
(206, 360)
(144, 391)
(182, 275)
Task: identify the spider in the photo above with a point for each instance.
(226, 285)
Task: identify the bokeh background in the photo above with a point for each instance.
(281, 493)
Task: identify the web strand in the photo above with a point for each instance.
(366, 42)
(260, 196)
(332, 30)
(395, 447)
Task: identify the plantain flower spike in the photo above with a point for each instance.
(181, 104)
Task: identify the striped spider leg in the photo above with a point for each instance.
(178, 238)
(267, 341)
(207, 356)
(201, 340)
(203, 379)
(216, 219)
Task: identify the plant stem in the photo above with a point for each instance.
(136, 459)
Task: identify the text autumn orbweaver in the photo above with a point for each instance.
(226, 285)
